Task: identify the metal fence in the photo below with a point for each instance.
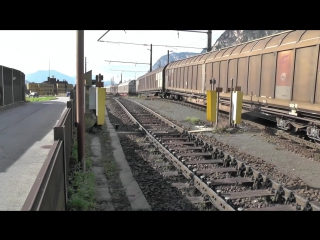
(50, 189)
(12, 86)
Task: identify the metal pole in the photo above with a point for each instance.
(230, 115)
(217, 108)
(168, 57)
(212, 81)
(80, 98)
(151, 58)
(209, 41)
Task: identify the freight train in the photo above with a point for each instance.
(125, 88)
(279, 76)
(112, 90)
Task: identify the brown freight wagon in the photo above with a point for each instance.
(278, 74)
(151, 83)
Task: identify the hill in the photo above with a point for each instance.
(162, 61)
(107, 83)
(42, 75)
(233, 37)
(227, 38)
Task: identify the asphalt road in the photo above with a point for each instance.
(24, 130)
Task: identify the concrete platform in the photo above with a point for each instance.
(134, 194)
(103, 196)
(25, 130)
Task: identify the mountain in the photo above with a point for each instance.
(42, 75)
(26, 82)
(227, 38)
(162, 61)
(233, 37)
(107, 83)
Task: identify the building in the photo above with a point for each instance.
(50, 87)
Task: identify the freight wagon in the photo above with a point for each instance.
(152, 82)
(127, 88)
(108, 90)
(114, 89)
(278, 75)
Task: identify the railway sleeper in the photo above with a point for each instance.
(194, 154)
(195, 162)
(276, 208)
(246, 194)
(229, 181)
(263, 186)
(180, 185)
(196, 200)
(186, 149)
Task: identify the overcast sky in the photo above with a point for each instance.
(30, 51)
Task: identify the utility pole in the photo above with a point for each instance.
(168, 57)
(151, 58)
(80, 98)
(209, 46)
(209, 41)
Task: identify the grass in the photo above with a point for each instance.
(82, 189)
(221, 128)
(316, 156)
(110, 168)
(40, 99)
(139, 139)
(193, 120)
(88, 121)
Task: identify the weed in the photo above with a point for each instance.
(316, 156)
(193, 120)
(75, 149)
(82, 191)
(88, 121)
(110, 168)
(139, 139)
(221, 128)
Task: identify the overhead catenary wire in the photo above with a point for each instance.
(144, 44)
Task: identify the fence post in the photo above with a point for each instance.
(70, 105)
(59, 134)
(73, 97)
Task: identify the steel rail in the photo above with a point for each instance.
(215, 199)
(228, 158)
(260, 126)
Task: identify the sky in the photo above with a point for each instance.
(31, 51)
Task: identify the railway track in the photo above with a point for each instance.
(228, 183)
(280, 133)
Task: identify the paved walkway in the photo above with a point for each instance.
(25, 132)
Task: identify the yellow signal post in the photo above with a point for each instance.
(237, 97)
(100, 105)
(211, 106)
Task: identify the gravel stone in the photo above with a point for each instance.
(276, 157)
